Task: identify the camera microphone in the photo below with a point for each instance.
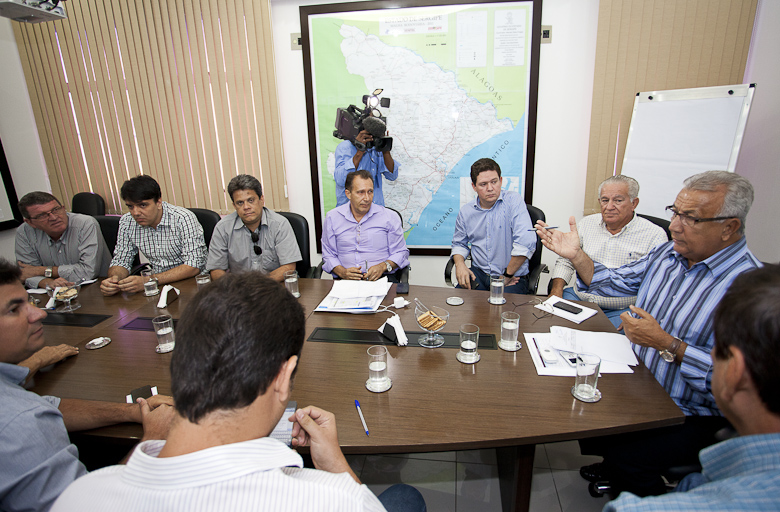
(375, 126)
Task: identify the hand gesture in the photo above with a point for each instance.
(316, 428)
(132, 284)
(109, 286)
(562, 244)
(157, 418)
(351, 273)
(645, 330)
(375, 272)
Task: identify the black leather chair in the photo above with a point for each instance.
(662, 223)
(535, 265)
(109, 226)
(208, 219)
(88, 203)
(402, 273)
(300, 227)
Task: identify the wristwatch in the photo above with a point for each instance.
(389, 266)
(48, 272)
(507, 274)
(670, 353)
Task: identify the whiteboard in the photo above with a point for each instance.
(678, 133)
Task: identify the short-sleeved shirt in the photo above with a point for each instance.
(37, 460)
(494, 235)
(177, 240)
(632, 242)
(231, 248)
(80, 253)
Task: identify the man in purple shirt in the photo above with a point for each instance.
(363, 240)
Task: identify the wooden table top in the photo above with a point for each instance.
(436, 403)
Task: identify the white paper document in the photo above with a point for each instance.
(547, 306)
(613, 349)
(355, 296)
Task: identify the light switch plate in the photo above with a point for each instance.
(295, 41)
(546, 34)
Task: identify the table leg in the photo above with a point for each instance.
(515, 470)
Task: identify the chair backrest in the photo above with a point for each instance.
(88, 203)
(301, 229)
(109, 226)
(208, 219)
(536, 260)
(662, 223)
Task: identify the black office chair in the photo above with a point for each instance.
(300, 227)
(402, 273)
(88, 203)
(662, 223)
(535, 265)
(109, 226)
(208, 219)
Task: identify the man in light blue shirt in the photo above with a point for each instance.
(743, 473)
(377, 163)
(678, 285)
(496, 230)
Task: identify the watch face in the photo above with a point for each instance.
(667, 356)
(389, 267)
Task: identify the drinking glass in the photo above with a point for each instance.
(150, 283)
(469, 340)
(166, 338)
(510, 325)
(497, 289)
(584, 388)
(202, 280)
(378, 381)
(291, 282)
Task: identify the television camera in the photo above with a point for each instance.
(352, 120)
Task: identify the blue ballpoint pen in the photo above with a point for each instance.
(362, 419)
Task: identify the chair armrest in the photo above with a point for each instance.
(448, 272)
(534, 276)
(316, 272)
(403, 274)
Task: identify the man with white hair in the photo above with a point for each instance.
(614, 238)
(678, 285)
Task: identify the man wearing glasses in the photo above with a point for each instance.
(56, 248)
(361, 239)
(253, 237)
(678, 285)
(614, 237)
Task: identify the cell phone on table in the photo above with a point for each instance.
(574, 310)
(569, 357)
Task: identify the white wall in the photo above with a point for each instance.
(17, 129)
(759, 159)
(565, 90)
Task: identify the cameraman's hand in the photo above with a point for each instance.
(364, 137)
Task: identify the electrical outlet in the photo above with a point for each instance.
(546, 34)
(295, 41)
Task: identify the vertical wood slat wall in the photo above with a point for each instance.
(652, 45)
(182, 91)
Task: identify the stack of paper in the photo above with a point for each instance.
(355, 296)
(614, 350)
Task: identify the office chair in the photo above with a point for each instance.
(662, 223)
(208, 220)
(109, 226)
(300, 227)
(535, 265)
(88, 203)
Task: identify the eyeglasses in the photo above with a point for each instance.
(54, 211)
(690, 220)
(255, 239)
(535, 302)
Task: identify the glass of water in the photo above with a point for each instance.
(166, 338)
(510, 325)
(469, 340)
(202, 280)
(496, 289)
(150, 283)
(378, 381)
(584, 388)
(291, 282)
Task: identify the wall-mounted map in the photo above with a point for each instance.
(459, 78)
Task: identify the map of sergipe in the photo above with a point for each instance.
(457, 79)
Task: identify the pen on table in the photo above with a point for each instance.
(362, 419)
(545, 227)
(540, 353)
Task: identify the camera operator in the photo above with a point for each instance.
(349, 158)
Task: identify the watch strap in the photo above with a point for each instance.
(507, 274)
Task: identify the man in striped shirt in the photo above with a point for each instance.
(678, 285)
(238, 344)
(170, 236)
(613, 238)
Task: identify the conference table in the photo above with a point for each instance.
(435, 404)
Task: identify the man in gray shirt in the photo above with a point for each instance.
(253, 237)
(54, 247)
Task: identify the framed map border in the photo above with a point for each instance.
(9, 200)
(354, 7)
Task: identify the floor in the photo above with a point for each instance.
(468, 480)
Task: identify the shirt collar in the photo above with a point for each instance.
(347, 213)
(629, 223)
(219, 463)
(720, 262)
(13, 373)
(741, 455)
(479, 208)
(63, 237)
(239, 224)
